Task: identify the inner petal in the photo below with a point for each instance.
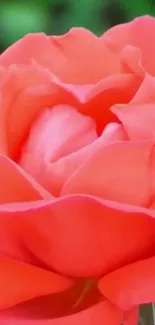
(58, 133)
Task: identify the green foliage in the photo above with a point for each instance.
(19, 17)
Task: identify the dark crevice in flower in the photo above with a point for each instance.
(63, 304)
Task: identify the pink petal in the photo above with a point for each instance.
(111, 90)
(32, 88)
(17, 185)
(56, 173)
(138, 117)
(31, 46)
(71, 234)
(77, 57)
(131, 61)
(95, 100)
(56, 134)
(3, 140)
(136, 33)
(25, 91)
(82, 58)
(2, 73)
(121, 172)
(131, 285)
(113, 132)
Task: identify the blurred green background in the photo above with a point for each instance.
(18, 17)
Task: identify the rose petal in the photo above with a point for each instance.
(109, 91)
(95, 100)
(55, 173)
(113, 132)
(130, 285)
(55, 305)
(131, 317)
(121, 172)
(102, 313)
(47, 143)
(20, 282)
(33, 232)
(138, 120)
(24, 91)
(3, 140)
(131, 61)
(136, 33)
(37, 47)
(17, 185)
(82, 58)
(138, 117)
(2, 73)
(77, 57)
(32, 88)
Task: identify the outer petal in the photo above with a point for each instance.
(136, 33)
(24, 92)
(2, 73)
(3, 140)
(131, 285)
(20, 282)
(17, 185)
(102, 313)
(77, 57)
(70, 234)
(32, 46)
(82, 58)
(138, 117)
(122, 171)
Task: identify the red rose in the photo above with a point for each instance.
(77, 171)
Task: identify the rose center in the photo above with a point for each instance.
(57, 144)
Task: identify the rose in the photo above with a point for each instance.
(77, 175)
